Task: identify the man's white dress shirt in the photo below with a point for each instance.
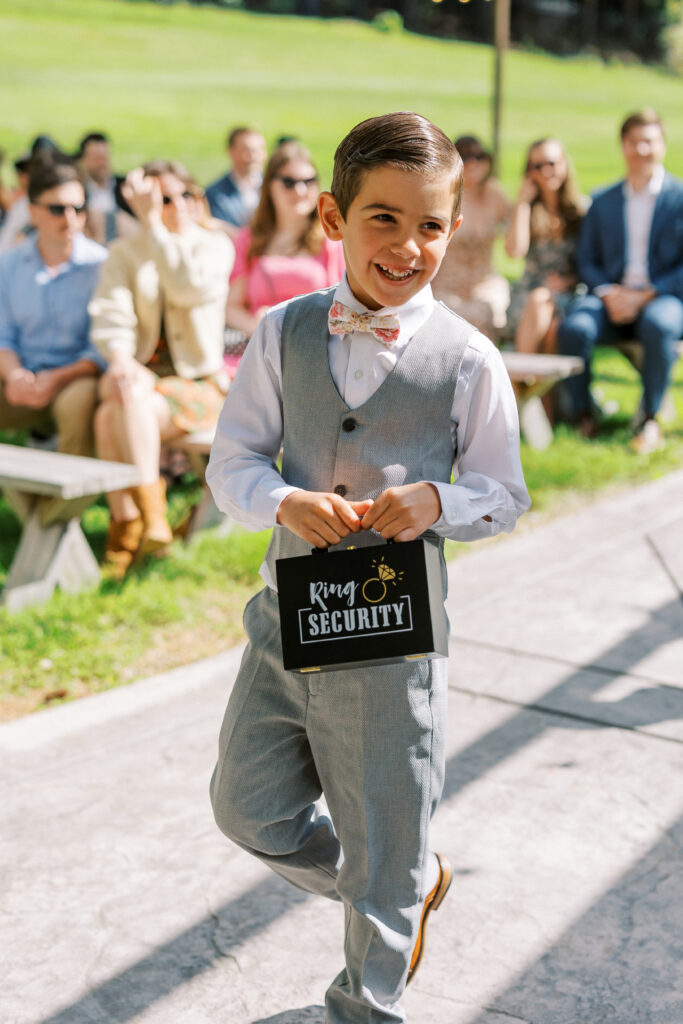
(242, 470)
(640, 208)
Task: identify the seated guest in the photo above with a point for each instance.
(48, 368)
(466, 280)
(105, 220)
(17, 217)
(158, 318)
(284, 252)
(544, 229)
(631, 258)
(234, 197)
(17, 224)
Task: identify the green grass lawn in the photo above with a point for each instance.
(168, 81)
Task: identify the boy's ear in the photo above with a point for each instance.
(455, 226)
(330, 216)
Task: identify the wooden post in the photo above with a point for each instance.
(501, 39)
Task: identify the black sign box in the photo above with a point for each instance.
(374, 605)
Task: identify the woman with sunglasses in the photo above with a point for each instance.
(466, 280)
(158, 318)
(283, 253)
(544, 230)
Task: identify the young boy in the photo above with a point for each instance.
(375, 391)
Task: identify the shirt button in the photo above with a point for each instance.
(349, 425)
(358, 374)
(340, 489)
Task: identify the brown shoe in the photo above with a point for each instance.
(649, 438)
(123, 541)
(157, 534)
(432, 902)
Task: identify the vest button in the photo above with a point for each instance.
(349, 425)
(340, 489)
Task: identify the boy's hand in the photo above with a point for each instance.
(403, 513)
(320, 518)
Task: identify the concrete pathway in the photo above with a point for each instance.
(563, 816)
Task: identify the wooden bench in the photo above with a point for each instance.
(48, 492)
(532, 375)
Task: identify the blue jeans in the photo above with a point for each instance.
(659, 325)
(331, 780)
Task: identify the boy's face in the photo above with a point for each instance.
(395, 233)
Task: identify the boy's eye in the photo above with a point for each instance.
(385, 218)
(432, 225)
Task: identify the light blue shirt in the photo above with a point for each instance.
(44, 318)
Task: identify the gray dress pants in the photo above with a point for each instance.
(371, 741)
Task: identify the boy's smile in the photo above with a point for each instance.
(395, 233)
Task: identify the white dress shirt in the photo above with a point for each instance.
(640, 208)
(242, 471)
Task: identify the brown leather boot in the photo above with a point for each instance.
(123, 541)
(156, 534)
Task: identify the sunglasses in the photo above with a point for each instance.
(291, 183)
(167, 200)
(479, 157)
(59, 209)
(545, 163)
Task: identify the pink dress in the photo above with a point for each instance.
(273, 279)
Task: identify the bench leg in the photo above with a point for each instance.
(534, 424)
(206, 515)
(49, 557)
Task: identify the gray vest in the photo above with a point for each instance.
(400, 435)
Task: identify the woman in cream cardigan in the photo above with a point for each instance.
(158, 318)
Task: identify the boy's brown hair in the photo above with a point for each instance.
(404, 140)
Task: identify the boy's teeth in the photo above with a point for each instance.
(396, 274)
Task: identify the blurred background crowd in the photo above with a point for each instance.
(126, 300)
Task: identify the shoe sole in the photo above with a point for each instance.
(443, 885)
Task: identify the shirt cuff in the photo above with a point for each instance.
(278, 496)
(463, 511)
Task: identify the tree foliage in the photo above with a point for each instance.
(610, 27)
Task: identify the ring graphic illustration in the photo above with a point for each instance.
(385, 574)
(382, 584)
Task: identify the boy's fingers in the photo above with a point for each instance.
(375, 515)
(389, 525)
(317, 540)
(361, 507)
(345, 513)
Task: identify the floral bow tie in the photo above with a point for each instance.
(343, 320)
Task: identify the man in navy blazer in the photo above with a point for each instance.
(234, 197)
(630, 256)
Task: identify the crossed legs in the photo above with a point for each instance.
(130, 427)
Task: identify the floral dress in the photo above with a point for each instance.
(546, 256)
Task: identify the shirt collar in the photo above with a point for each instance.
(653, 187)
(81, 253)
(412, 314)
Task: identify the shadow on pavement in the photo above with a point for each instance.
(131, 992)
(306, 1015)
(620, 962)
(572, 702)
